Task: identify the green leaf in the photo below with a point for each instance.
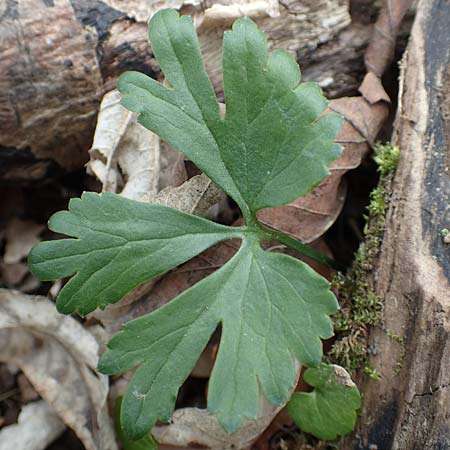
(120, 244)
(145, 443)
(272, 308)
(330, 409)
(272, 146)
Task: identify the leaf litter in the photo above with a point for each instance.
(59, 357)
(38, 426)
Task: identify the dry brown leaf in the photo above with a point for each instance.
(307, 218)
(366, 119)
(58, 356)
(172, 167)
(124, 155)
(372, 89)
(37, 427)
(380, 51)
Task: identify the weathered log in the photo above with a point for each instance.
(408, 408)
(51, 83)
(58, 57)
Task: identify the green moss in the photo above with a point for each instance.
(361, 307)
(377, 205)
(372, 373)
(401, 341)
(386, 156)
(395, 337)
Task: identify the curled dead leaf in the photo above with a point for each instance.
(58, 356)
(124, 155)
(380, 51)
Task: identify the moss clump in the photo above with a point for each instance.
(401, 341)
(386, 156)
(361, 307)
(372, 373)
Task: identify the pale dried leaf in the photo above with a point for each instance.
(343, 377)
(20, 236)
(124, 155)
(194, 196)
(58, 356)
(37, 427)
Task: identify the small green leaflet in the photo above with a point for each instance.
(145, 443)
(272, 146)
(330, 409)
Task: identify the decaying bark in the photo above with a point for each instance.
(58, 57)
(409, 407)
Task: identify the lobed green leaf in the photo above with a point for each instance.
(273, 145)
(330, 409)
